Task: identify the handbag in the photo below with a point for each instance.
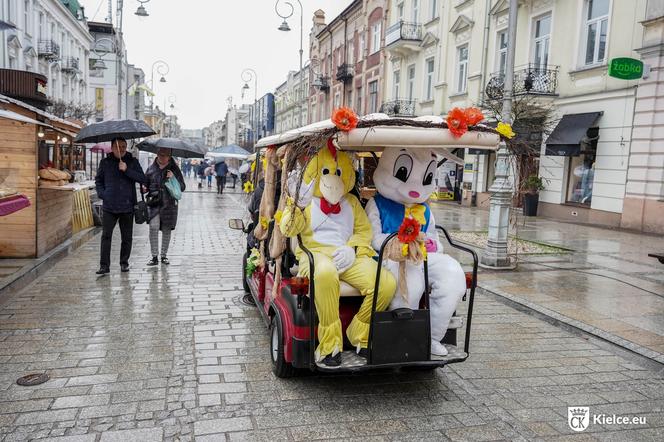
(153, 198)
(141, 211)
(173, 186)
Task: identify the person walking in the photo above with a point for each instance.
(163, 215)
(221, 170)
(115, 183)
(201, 173)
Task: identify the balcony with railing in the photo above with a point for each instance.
(69, 64)
(530, 79)
(321, 83)
(398, 108)
(48, 49)
(345, 73)
(404, 35)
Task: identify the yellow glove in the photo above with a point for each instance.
(293, 222)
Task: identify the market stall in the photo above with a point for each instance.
(32, 139)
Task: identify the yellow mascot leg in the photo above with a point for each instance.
(362, 276)
(326, 279)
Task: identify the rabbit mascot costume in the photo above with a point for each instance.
(404, 181)
(335, 228)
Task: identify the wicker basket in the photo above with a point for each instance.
(53, 174)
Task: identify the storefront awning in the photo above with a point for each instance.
(565, 140)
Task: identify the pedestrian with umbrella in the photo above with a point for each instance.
(115, 183)
(221, 170)
(162, 174)
(164, 188)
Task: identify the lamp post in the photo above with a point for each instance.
(284, 27)
(495, 254)
(247, 75)
(141, 12)
(162, 69)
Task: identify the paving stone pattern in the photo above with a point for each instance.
(170, 353)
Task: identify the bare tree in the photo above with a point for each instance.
(533, 119)
(63, 109)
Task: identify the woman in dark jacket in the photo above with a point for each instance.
(164, 215)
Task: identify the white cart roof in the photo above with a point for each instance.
(378, 137)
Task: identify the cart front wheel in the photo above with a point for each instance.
(280, 367)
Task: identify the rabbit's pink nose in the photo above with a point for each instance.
(413, 194)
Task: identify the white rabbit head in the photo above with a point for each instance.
(406, 175)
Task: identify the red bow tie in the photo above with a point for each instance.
(328, 208)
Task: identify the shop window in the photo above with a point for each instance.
(581, 172)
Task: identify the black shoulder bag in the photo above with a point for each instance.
(141, 211)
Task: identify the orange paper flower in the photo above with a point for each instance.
(473, 116)
(408, 231)
(457, 122)
(344, 118)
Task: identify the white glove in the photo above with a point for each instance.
(343, 258)
(306, 190)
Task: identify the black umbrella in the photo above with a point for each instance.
(110, 129)
(179, 148)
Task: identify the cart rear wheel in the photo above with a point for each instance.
(280, 367)
(245, 284)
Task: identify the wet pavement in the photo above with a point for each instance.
(607, 285)
(171, 353)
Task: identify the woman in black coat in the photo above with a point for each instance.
(164, 215)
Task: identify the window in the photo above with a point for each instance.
(501, 56)
(41, 26)
(416, 10)
(11, 12)
(396, 84)
(350, 52)
(542, 37)
(373, 96)
(428, 81)
(359, 100)
(337, 99)
(375, 38)
(580, 178)
(26, 17)
(349, 98)
(462, 68)
(597, 22)
(400, 11)
(411, 81)
(363, 46)
(434, 9)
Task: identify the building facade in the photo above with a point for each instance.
(108, 72)
(347, 60)
(453, 54)
(290, 101)
(261, 118)
(136, 93)
(50, 37)
(213, 134)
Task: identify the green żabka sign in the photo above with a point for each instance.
(626, 68)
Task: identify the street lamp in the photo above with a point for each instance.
(495, 255)
(162, 69)
(247, 75)
(141, 12)
(284, 27)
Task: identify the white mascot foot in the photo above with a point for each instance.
(438, 349)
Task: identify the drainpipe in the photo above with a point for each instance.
(331, 89)
(343, 90)
(485, 57)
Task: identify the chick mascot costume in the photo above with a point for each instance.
(404, 181)
(335, 228)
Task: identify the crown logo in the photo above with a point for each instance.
(578, 412)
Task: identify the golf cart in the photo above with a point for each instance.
(397, 339)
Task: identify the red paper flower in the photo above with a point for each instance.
(473, 116)
(457, 122)
(409, 230)
(344, 118)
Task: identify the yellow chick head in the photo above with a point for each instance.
(333, 172)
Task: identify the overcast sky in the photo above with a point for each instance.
(207, 44)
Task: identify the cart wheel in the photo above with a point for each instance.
(280, 367)
(245, 284)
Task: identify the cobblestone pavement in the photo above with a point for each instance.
(171, 353)
(607, 285)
